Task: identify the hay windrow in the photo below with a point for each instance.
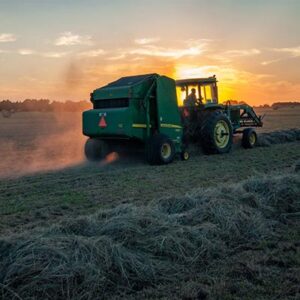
(278, 137)
(128, 248)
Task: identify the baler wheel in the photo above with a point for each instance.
(160, 150)
(184, 155)
(95, 149)
(249, 138)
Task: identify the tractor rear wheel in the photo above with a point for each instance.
(249, 138)
(216, 133)
(160, 150)
(95, 149)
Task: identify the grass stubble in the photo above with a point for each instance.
(239, 240)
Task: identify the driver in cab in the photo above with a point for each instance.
(191, 100)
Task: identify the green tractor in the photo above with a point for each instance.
(165, 117)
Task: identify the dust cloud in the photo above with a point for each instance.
(74, 75)
(38, 142)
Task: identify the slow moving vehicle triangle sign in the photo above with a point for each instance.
(102, 122)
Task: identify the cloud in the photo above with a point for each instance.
(26, 51)
(145, 41)
(293, 51)
(7, 37)
(69, 39)
(236, 53)
(194, 48)
(166, 52)
(268, 62)
(92, 53)
(117, 57)
(226, 74)
(228, 55)
(188, 71)
(54, 54)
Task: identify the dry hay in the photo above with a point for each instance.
(278, 137)
(265, 139)
(125, 249)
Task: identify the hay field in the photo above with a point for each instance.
(284, 118)
(37, 142)
(214, 227)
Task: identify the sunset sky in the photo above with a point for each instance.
(63, 49)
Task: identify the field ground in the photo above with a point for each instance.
(285, 118)
(38, 142)
(45, 198)
(58, 186)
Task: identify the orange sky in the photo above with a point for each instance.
(60, 51)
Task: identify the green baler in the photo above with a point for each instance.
(138, 108)
(145, 109)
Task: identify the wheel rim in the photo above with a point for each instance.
(166, 150)
(252, 139)
(221, 134)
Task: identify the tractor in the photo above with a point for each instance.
(157, 113)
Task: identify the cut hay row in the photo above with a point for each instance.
(126, 249)
(265, 139)
(278, 137)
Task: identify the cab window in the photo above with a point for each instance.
(184, 92)
(207, 93)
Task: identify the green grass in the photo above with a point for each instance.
(81, 190)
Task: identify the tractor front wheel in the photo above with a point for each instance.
(216, 133)
(160, 150)
(95, 149)
(249, 138)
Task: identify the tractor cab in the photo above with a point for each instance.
(205, 91)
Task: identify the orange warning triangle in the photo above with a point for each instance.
(102, 122)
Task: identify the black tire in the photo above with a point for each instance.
(160, 150)
(95, 149)
(249, 138)
(214, 139)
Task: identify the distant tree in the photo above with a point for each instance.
(6, 105)
(234, 102)
(292, 104)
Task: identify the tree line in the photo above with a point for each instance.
(278, 105)
(43, 105)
